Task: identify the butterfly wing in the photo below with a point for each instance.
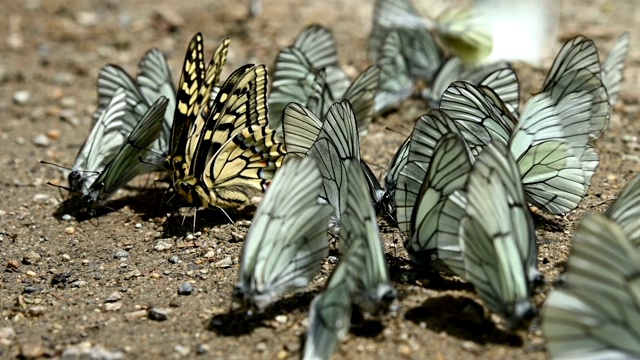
(395, 84)
(624, 211)
(300, 128)
(361, 94)
(613, 66)
(498, 237)
(596, 315)
(287, 240)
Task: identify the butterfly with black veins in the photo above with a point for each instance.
(152, 81)
(93, 190)
(613, 65)
(361, 277)
(596, 314)
(287, 240)
(549, 140)
(624, 211)
(309, 73)
(330, 143)
(497, 237)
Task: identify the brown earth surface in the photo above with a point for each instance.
(87, 286)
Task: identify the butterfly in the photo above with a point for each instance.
(395, 82)
(500, 77)
(309, 73)
(330, 142)
(93, 177)
(287, 240)
(624, 208)
(549, 140)
(418, 48)
(595, 316)
(613, 65)
(222, 156)
(577, 69)
(361, 278)
(497, 236)
(152, 81)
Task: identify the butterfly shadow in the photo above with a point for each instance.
(463, 318)
(237, 322)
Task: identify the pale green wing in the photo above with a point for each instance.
(300, 128)
(465, 32)
(293, 81)
(361, 94)
(287, 239)
(450, 71)
(478, 119)
(127, 163)
(577, 53)
(624, 211)
(362, 247)
(154, 80)
(498, 237)
(419, 48)
(341, 128)
(398, 162)
(396, 84)
(596, 315)
(110, 79)
(329, 317)
(613, 66)
(101, 146)
(503, 80)
(427, 132)
(448, 172)
(318, 45)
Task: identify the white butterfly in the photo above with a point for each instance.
(287, 240)
(497, 237)
(596, 315)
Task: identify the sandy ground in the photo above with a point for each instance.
(88, 287)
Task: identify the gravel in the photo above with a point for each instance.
(185, 289)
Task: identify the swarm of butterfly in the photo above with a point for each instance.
(458, 188)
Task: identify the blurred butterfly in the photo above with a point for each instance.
(395, 83)
(497, 236)
(287, 240)
(313, 55)
(361, 278)
(418, 48)
(93, 178)
(624, 211)
(500, 77)
(613, 65)
(549, 141)
(595, 316)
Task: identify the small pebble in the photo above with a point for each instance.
(203, 349)
(30, 273)
(112, 306)
(138, 226)
(32, 289)
(174, 259)
(63, 78)
(40, 198)
(66, 217)
(262, 346)
(53, 134)
(79, 284)
(31, 258)
(121, 254)
(70, 230)
(31, 350)
(181, 350)
(185, 289)
(87, 18)
(162, 245)
(138, 314)
(37, 310)
(282, 354)
(281, 319)
(21, 97)
(224, 263)
(69, 116)
(66, 257)
(41, 140)
(159, 314)
(115, 296)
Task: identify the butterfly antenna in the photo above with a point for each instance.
(396, 131)
(55, 165)
(195, 212)
(226, 214)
